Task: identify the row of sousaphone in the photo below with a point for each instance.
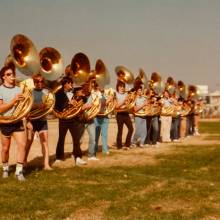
(48, 62)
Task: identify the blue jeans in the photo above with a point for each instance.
(140, 130)
(175, 128)
(152, 130)
(101, 126)
(90, 127)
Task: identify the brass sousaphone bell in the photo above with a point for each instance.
(51, 68)
(102, 78)
(124, 75)
(79, 71)
(80, 68)
(141, 79)
(25, 57)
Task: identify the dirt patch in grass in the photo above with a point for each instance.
(136, 156)
(90, 214)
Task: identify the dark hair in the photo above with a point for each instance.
(4, 69)
(66, 79)
(121, 84)
(37, 75)
(137, 87)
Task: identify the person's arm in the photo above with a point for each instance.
(139, 107)
(6, 106)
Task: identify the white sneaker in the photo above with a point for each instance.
(57, 161)
(80, 161)
(93, 158)
(20, 177)
(106, 153)
(5, 174)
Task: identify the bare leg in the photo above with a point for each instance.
(21, 139)
(43, 135)
(6, 141)
(30, 138)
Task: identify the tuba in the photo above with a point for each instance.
(170, 85)
(23, 55)
(125, 76)
(102, 78)
(51, 68)
(141, 79)
(156, 84)
(182, 90)
(78, 70)
(194, 95)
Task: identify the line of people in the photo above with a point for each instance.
(148, 129)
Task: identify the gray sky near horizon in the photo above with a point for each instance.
(178, 38)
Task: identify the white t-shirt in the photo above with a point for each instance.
(7, 94)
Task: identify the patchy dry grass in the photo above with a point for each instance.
(181, 183)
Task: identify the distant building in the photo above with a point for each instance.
(213, 104)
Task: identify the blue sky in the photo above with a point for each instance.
(178, 38)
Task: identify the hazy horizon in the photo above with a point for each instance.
(173, 37)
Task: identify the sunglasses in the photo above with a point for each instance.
(9, 74)
(38, 81)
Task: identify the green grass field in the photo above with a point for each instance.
(184, 184)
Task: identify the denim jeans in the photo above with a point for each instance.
(90, 127)
(174, 134)
(152, 130)
(101, 126)
(140, 130)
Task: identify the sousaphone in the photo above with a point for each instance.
(124, 75)
(102, 78)
(79, 71)
(51, 68)
(24, 56)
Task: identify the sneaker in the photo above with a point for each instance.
(5, 174)
(133, 145)
(80, 161)
(93, 158)
(106, 153)
(125, 148)
(144, 145)
(20, 177)
(57, 161)
(176, 140)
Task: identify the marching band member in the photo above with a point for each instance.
(175, 124)
(153, 128)
(140, 121)
(101, 124)
(39, 125)
(76, 127)
(198, 110)
(183, 117)
(122, 117)
(165, 120)
(89, 89)
(10, 94)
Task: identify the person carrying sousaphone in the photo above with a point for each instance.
(140, 120)
(39, 125)
(102, 121)
(122, 116)
(10, 95)
(166, 119)
(64, 98)
(90, 90)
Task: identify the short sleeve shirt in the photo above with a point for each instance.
(6, 95)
